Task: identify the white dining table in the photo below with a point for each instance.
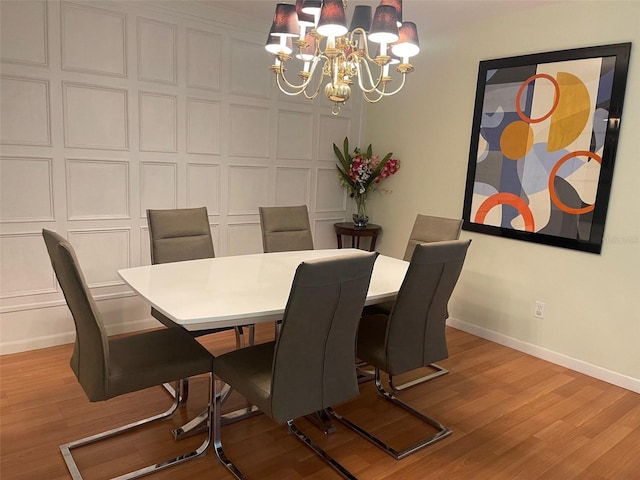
(242, 289)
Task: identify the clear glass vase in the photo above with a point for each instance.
(360, 218)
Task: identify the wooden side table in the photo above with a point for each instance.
(347, 228)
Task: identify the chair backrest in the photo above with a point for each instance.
(91, 351)
(416, 329)
(428, 228)
(179, 234)
(285, 229)
(313, 365)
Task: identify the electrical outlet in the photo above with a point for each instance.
(538, 311)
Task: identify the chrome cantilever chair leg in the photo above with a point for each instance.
(75, 472)
(366, 375)
(441, 433)
(337, 466)
(292, 429)
(439, 371)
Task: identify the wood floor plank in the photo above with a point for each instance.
(513, 416)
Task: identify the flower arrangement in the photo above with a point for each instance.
(361, 172)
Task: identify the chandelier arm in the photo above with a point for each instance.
(300, 88)
(317, 91)
(384, 93)
(374, 85)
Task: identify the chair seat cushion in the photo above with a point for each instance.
(371, 340)
(153, 358)
(248, 370)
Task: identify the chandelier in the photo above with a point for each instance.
(314, 34)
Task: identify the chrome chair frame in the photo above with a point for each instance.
(442, 431)
(66, 448)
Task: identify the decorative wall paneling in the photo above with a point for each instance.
(112, 107)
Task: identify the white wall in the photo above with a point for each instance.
(592, 317)
(109, 108)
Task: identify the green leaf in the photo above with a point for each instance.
(369, 151)
(347, 179)
(338, 153)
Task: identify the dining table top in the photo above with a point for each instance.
(242, 289)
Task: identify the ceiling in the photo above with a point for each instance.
(429, 15)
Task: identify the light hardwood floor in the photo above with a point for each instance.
(513, 417)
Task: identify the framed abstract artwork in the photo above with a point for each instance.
(543, 145)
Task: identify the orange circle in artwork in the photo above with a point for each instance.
(516, 140)
(552, 176)
(504, 198)
(556, 98)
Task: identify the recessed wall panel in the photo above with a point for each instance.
(330, 195)
(203, 126)
(295, 135)
(93, 40)
(26, 190)
(332, 130)
(95, 117)
(203, 59)
(249, 132)
(158, 122)
(293, 185)
(247, 189)
(25, 268)
(244, 238)
(97, 189)
(324, 235)
(159, 186)
(24, 116)
(157, 51)
(23, 32)
(101, 253)
(203, 187)
(244, 80)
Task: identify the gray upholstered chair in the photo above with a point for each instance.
(178, 235)
(412, 335)
(107, 367)
(426, 229)
(311, 365)
(285, 229)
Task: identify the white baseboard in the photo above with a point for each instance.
(69, 337)
(580, 366)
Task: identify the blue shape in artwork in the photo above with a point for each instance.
(484, 189)
(604, 88)
(490, 73)
(509, 183)
(492, 120)
(534, 170)
(528, 100)
(600, 119)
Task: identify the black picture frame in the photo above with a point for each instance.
(556, 114)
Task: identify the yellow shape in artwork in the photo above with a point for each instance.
(516, 140)
(571, 115)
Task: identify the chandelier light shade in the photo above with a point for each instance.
(407, 44)
(285, 22)
(313, 36)
(397, 4)
(361, 18)
(384, 28)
